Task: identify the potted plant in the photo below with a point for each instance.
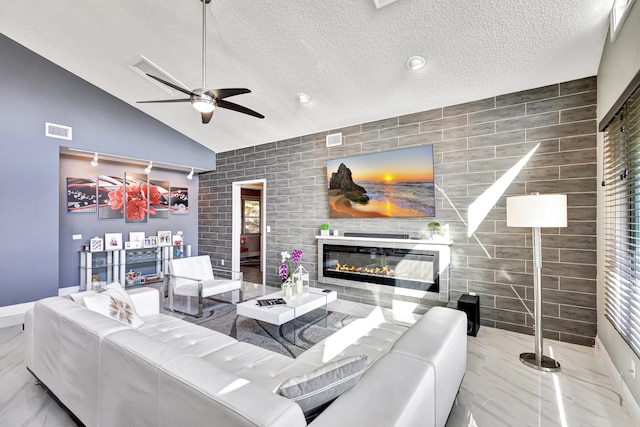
(324, 229)
(436, 230)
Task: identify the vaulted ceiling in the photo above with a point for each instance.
(348, 56)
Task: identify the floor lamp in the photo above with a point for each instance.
(537, 211)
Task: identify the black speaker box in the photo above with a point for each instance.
(470, 304)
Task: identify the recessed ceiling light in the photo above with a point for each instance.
(416, 63)
(303, 98)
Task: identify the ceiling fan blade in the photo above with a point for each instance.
(164, 100)
(239, 108)
(225, 93)
(176, 87)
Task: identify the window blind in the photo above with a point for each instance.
(622, 221)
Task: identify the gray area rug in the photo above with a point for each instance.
(308, 329)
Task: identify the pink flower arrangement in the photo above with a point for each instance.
(285, 267)
(139, 198)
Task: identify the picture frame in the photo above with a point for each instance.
(113, 241)
(96, 244)
(164, 238)
(136, 200)
(81, 195)
(114, 186)
(136, 236)
(151, 242)
(179, 200)
(394, 183)
(176, 239)
(159, 203)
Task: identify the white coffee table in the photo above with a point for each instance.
(282, 313)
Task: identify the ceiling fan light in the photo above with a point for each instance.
(204, 106)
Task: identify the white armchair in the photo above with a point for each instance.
(193, 277)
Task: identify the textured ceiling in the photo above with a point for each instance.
(346, 54)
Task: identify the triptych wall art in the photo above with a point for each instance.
(133, 197)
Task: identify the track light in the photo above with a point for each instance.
(148, 168)
(190, 176)
(94, 162)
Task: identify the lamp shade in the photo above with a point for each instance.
(537, 210)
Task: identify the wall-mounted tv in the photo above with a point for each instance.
(397, 183)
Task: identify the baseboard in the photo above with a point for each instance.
(627, 398)
(12, 315)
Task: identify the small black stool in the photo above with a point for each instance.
(470, 304)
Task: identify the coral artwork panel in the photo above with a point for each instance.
(107, 188)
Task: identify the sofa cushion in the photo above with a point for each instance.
(192, 338)
(372, 336)
(317, 389)
(112, 301)
(256, 364)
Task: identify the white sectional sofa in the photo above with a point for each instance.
(169, 372)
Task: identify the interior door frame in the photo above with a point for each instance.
(236, 225)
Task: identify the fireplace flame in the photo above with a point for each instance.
(384, 271)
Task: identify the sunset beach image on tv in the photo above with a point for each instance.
(396, 183)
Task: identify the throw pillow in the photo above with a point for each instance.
(80, 296)
(112, 301)
(317, 389)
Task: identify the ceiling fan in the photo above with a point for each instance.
(206, 100)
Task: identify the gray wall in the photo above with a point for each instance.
(474, 144)
(619, 63)
(34, 91)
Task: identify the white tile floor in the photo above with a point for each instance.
(497, 389)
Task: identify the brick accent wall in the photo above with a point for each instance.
(474, 144)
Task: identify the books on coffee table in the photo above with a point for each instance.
(271, 301)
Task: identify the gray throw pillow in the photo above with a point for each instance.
(314, 391)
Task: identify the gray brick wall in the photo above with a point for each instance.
(474, 144)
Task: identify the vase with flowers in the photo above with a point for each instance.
(287, 267)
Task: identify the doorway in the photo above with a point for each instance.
(248, 235)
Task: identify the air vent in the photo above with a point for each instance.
(334, 139)
(143, 66)
(57, 131)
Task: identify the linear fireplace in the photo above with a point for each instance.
(400, 267)
(409, 271)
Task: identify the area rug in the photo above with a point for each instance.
(290, 339)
